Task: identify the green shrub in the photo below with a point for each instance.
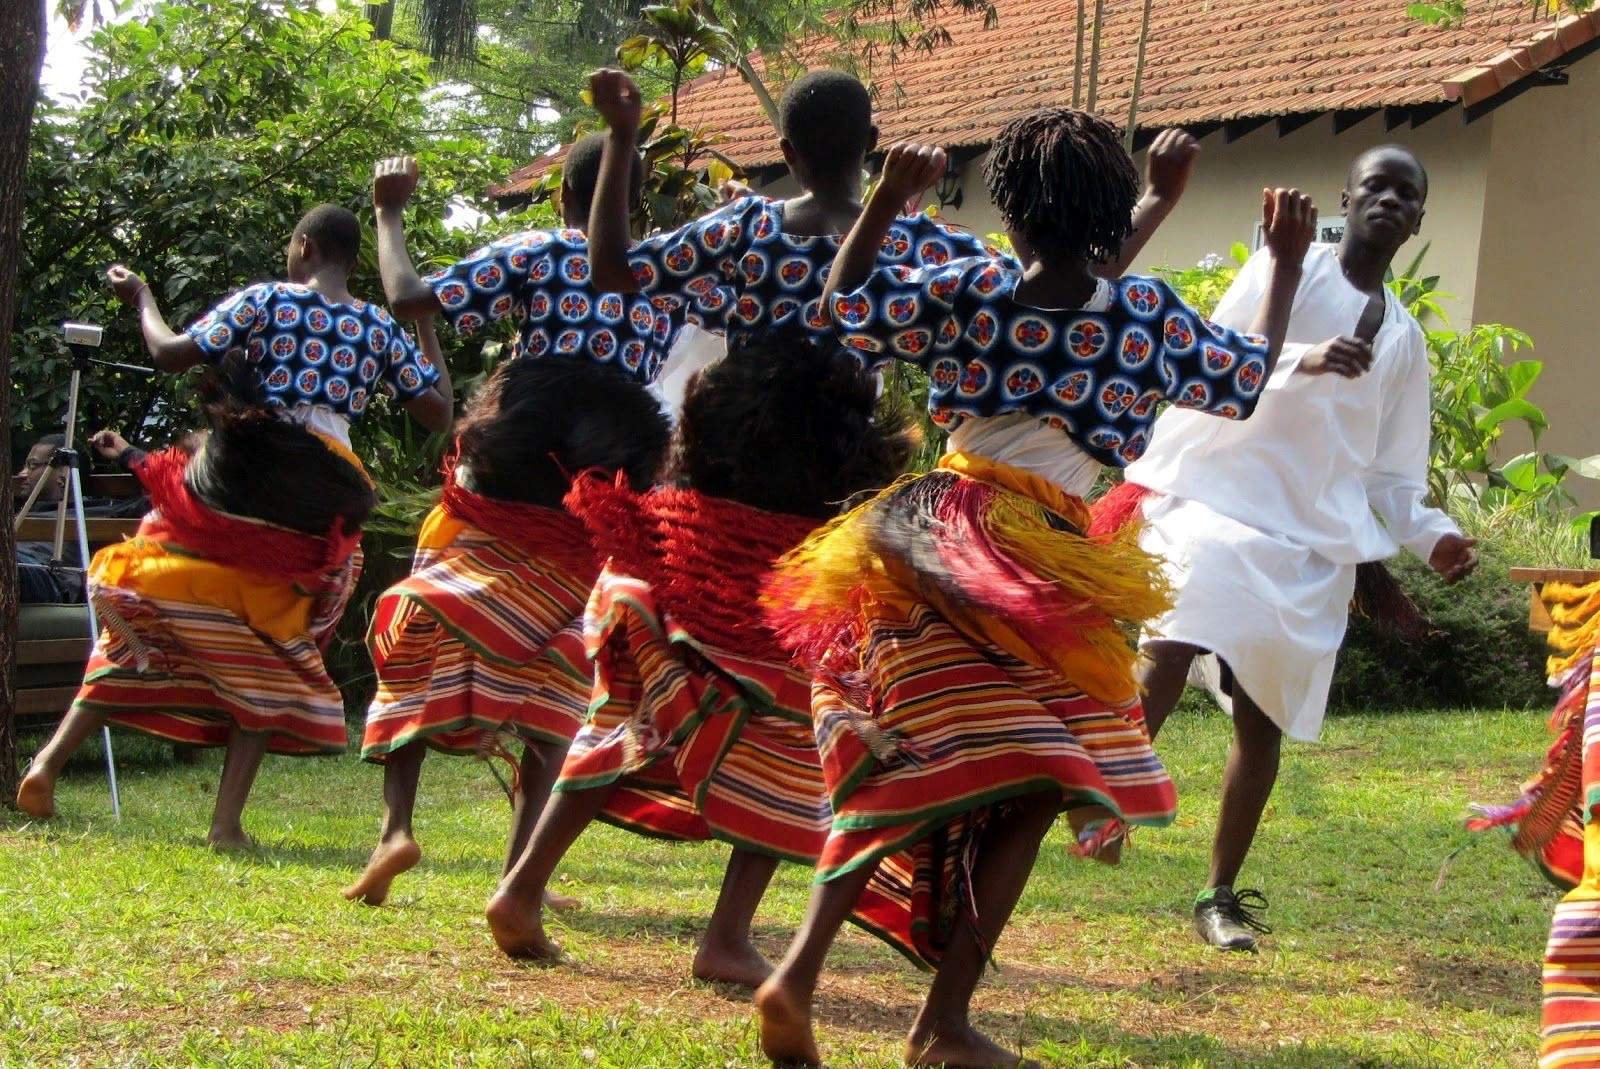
(1483, 654)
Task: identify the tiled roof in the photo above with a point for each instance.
(1208, 61)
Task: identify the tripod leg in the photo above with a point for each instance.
(94, 625)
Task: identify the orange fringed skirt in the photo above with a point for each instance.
(968, 646)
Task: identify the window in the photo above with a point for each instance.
(1330, 230)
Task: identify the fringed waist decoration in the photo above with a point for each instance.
(1000, 553)
(716, 557)
(706, 558)
(241, 542)
(539, 531)
(1575, 624)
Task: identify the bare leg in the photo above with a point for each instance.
(515, 913)
(1163, 676)
(726, 954)
(36, 795)
(943, 1034)
(783, 1003)
(397, 848)
(541, 766)
(239, 767)
(1246, 785)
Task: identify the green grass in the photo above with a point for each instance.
(132, 945)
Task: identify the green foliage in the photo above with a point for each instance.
(1452, 12)
(204, 132)
(1203, 285)
(1482, 654)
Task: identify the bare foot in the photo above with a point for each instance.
(36, 796)
(390, 859)
(740, 964)
(561, 903)
(785, 1021)
(960, 1048)
(230, 841)
(518, 930)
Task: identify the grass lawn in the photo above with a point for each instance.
(130, 944)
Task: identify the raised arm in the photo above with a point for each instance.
(1290, 219)
(1167, 168)
(435, 409)
(617, 99)
(908, 169)
(408, 297)
(169, 349)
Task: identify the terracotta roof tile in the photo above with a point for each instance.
(1208, 61)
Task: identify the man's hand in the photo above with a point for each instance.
(1454, 557)
(109, 444)
(616, 97)
(393, 182)
(126, 285)
(1350, 357)
(909, 169)
(1289, 218)
(1170, 163)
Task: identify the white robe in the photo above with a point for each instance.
(1263, 521)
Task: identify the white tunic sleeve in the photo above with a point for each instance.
(1238, 306)
(1396, 481)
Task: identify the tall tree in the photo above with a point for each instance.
(22, 28)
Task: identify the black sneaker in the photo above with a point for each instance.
(1227, 919)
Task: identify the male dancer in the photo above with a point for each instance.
(1262, 523)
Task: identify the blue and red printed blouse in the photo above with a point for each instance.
(742, 273)
(310, 350)
(1099, 376)
(540, 279)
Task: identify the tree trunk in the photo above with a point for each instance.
(22, 27)
(1077, 61)
(382, 18)
(1138, 80)
(1094, 55)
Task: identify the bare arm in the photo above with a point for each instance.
(435, 410)
(171, 350)
(617, 99)
(409, 298)
(908, 169)
(1167, 170)
(1290, 219)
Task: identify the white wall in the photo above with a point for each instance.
(1541, 239)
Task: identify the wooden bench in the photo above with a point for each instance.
(53, 640)
(1538, 616)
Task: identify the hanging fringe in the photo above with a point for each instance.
(495, 745)
(538, 531)
(1380, 598)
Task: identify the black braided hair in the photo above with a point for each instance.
(786, 423)
(253, 461)
(1062, 180)
(534, 424)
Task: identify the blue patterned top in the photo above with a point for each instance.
(1097, 375)
(743, 274)
(540, 278)
(310, 350)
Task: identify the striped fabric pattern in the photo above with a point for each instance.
(480, 637)
(957, 730)
(1571, 1024)
(701, 742)
(187, 672)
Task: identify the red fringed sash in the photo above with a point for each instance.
(536, 530)
(1116, 509)
(707, 557)
(234, 541)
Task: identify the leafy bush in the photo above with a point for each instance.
(1482, 654)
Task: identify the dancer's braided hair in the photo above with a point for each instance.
(1062, 180)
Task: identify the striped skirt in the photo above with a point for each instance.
(190, 648)
(1571, 1026)
(927, 714)
(480, 638)
(700, 743)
